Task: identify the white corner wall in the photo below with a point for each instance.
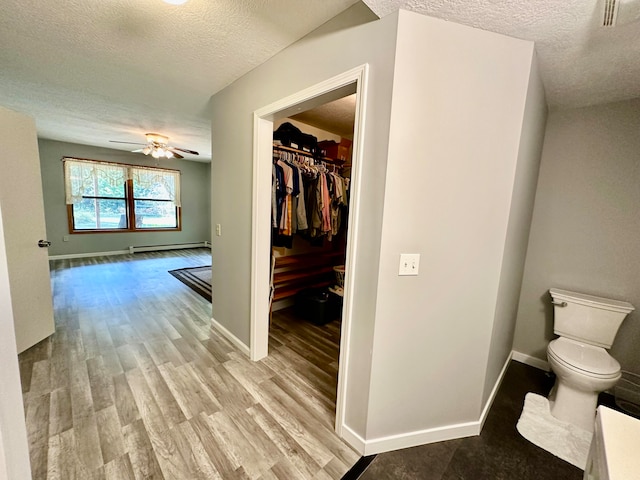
(456, 120)
(14, 450)
(585, 229)
(522, 201)
(441, 147)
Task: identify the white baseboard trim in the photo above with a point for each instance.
(531, 361)
(494, 391)
(421, 437)
(353, 439)
(231, 337)
(87, 255)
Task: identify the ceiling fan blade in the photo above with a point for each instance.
(192, 152)
(139, 150)
(176, 155)
(129, 143)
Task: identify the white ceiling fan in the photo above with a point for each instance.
(158, 147)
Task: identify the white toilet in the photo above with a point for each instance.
(587, 326)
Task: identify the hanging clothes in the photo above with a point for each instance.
(278, 193)
(306, 198)
(326, 206)
(337, 203)
(301, 209)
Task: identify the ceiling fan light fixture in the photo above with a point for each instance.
(156, 138)
(158, 147)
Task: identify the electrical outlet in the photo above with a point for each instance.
(409, 264)
(65, 238)
(218, 230)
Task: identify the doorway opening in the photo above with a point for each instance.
(349, 83)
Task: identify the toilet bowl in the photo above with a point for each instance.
(587, 326)
(582, 371)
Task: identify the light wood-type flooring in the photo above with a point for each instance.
(135, 384)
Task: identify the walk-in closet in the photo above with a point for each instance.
(311, 188)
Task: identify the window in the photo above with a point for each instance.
(112, 197)
(154, 193)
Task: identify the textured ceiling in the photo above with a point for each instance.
(337, 117)
(582, 63)
(90, 71)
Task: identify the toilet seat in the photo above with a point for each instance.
(584, 358)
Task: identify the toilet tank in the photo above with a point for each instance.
(586, 318)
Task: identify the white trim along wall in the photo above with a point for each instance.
(230, 336)
(430, 435)
(531, 361)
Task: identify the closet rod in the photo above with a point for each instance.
(293, 150)
(333, 161)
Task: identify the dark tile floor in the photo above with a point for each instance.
(500, 452)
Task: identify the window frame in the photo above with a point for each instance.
(129, 200)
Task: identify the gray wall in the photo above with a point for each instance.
(345, 42)
(586, 226)
(522, 201)
(440, 152)
(196, 213)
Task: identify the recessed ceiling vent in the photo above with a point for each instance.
(610, 12)
(620, 12)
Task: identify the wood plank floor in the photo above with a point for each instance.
(135, 384)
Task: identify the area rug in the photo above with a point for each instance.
(562, 439)
(196, 278)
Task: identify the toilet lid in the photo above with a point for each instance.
(588, 358)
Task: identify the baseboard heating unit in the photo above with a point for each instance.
(174, 246)
(133, 249)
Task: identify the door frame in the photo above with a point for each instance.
(356, 80)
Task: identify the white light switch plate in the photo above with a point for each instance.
(409, 264)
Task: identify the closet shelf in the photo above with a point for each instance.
(308, 270)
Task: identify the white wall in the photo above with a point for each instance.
(196, 212)
(14, 457)
(345, 42)
(522, 201)
(456, 120)
(586, 226)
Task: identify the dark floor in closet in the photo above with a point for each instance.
(498, 453)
